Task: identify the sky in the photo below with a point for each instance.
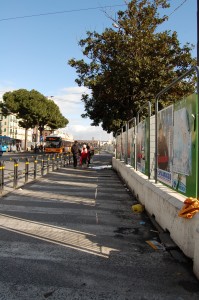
(38, 37)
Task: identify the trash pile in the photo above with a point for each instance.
(190, 208)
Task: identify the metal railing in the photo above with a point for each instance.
(19, 171)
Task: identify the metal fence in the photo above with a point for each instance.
(165, 146)
(16, 172)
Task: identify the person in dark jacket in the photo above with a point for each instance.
(75, 151)
(89, 154)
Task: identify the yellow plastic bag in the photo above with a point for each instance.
(138, 208)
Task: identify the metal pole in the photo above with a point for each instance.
(47, 163)
(35, 167)
(2, 175)
(149, 146)
(126, 146)
(15, 183)
(26, 169)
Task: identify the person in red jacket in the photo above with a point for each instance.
(84, 156)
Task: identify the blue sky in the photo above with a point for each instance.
(35, 50)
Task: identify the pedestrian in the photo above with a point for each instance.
(75, 151)
(36, 148)
(88, 153)
(91, 153)
(84, 157)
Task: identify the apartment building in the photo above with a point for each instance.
(9, 126)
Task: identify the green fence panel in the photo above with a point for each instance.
(177, 146)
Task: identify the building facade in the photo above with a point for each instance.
(9, 126)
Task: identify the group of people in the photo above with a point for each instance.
(83, 155)
(37, 148)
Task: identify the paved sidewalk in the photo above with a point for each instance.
(72, 235)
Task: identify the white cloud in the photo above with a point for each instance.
(5, 87)
(69, 101)
(71, 106)
(75, 90)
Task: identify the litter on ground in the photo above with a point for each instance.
(138, 208)
(101, 167)
(155, 245)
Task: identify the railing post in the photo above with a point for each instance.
(126, 144)
(65, 159)
(15, 182)
(146, 140)
(42, 166)
(35, 167)
(53, 162)
(57, 161)
(47, 163)
(61, 159)
(2, 166)
(26, 170)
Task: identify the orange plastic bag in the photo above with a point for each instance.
(190, 208)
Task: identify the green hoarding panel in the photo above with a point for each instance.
(177, 151)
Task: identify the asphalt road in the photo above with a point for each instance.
(73, 235)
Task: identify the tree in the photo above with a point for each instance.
(126, 67)
(33, 110)
(51, 117)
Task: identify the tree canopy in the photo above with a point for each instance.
(33, 109)
(127, 66)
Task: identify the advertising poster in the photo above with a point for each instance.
(131, 147)
(179, 183)
(130, 137)
(118, 147)
(124, 144)
(141, 147)
(184, 146)
(182, 143)
(165, 145)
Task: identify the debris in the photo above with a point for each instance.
(142, 223)
(138, 208)
(167, 241)
(101, 167)
(155, 245)
(190, 208)
(48, 294)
